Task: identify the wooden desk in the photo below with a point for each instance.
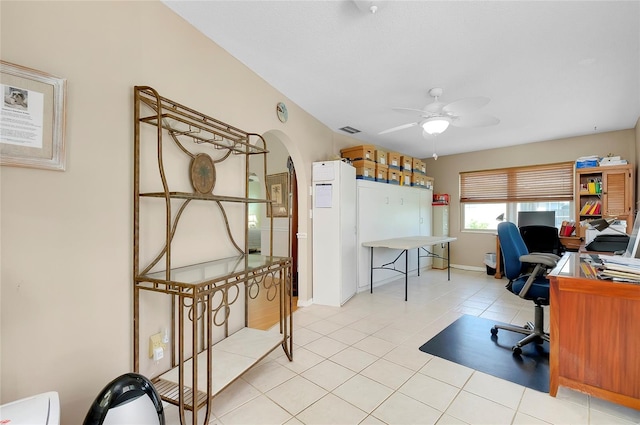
(595, 334)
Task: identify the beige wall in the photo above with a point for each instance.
(66, 237)
(470, 248)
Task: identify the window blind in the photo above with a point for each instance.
(549, 182)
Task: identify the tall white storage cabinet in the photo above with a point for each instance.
(440, 228)
(334, 233)
(389, 211)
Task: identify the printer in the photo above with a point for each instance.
(617, 227)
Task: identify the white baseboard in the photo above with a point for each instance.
(470, 268)
(306, 303)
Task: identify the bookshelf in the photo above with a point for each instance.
(605, 192)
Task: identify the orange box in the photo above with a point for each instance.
(406, 163)
(365, 169)
(393, 177)
(381, 157)
(359, 152)
(394, 160)
(382, 173)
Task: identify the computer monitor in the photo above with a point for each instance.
(536, 218)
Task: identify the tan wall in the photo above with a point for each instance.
(470, 247)
(66, 237)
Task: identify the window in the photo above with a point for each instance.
(486, 196)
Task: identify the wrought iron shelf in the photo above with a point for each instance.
(204, 197)
(206, 295)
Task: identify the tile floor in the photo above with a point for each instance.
(360, 364)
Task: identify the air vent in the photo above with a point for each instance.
(350, 130)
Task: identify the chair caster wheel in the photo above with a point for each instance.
(494, 331)
(516, 350)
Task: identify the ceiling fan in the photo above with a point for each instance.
(436, 117)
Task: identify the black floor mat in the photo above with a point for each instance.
(468, 341)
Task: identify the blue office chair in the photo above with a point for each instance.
(532, 286)
(130, 398)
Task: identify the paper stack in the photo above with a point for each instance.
(620, 269)
(612, 160)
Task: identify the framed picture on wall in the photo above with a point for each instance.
(278, 193)
(32, 118)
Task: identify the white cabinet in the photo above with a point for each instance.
(388, 211)
(334, 232)
(440, 228)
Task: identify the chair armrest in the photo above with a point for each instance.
(547, 254)
(537, 258)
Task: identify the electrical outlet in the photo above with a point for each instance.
(155, 341)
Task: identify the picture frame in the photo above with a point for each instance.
(32, 118)
(278, 192)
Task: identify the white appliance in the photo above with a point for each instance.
(440, 228)
(39, 409)
(334, 233)
(613, 229)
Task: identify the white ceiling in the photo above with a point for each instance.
(552, 69)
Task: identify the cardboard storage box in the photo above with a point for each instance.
(394, 176)
(406, 163)
(382, 173)
(419, 166)
(359, 152)
(406, 178)
(381, 157)
(428, 182)
(416, 179)
(394, 160)
(365, 169)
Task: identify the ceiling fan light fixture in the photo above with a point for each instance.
(435, 125)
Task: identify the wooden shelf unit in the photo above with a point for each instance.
(616, 198)
(203, 295)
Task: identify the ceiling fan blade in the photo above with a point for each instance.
(475, 120)
(410, 111)
(400, 127)
(466, 106)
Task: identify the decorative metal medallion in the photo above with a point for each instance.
(203, 173)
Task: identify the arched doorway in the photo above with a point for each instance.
(288, 239)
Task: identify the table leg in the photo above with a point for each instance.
(372, 270)
(406, 272)
(448, 262)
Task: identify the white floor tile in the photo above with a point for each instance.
(477, 410)
(430, 391)
(387, 373)
(409, 357)
(495, 389)
(400, 409)
(552, 410)
(328, 374)
(354, 359)
(325, 346)
(446, 371)
(260, 411)
(331, 410)
(363, 393)
(296, 394)
(376, 346)
(265, 376)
